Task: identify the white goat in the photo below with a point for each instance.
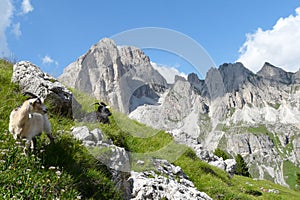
(30, 120)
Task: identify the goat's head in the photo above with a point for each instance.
(36, 103)
(103, 108)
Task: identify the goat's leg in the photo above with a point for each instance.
(27, 146)
(47, 128)
(33, 143)
(50, 136)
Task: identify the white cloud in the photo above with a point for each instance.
(26, 7)
(7, 17)
(16, 30)
(168, 73)
(48, 60)
(278, 46)
(6, 12)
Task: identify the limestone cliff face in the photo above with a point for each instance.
(116, 75)
(255, 115)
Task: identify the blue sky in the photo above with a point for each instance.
(52, 34)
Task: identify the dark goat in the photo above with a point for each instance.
(101, 115)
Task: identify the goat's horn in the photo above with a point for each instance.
(95, 103)
(103, 104)
(30, 94)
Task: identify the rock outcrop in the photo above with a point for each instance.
(168, 182)
(165, 181)
(111, 155)
(32, 79)
(274, 73)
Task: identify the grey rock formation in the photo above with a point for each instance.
(32, 79)
(228, 165)
(237, 110)
(181, 112)
(121, 76)
(166, 180)
(272, 72)
(103, 149)
(170, 183)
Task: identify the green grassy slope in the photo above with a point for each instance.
(67, 170)
(62, 170)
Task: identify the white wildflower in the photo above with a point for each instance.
(58, 173)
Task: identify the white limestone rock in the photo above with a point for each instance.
(171, 184)
(32, 79)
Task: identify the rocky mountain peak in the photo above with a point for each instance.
(227, 78)
(107, 42)
(197, 84)
(179, 78)
(214, 83)
(235, 68)
(193, 78)
(234, 75)
(133, 55)
(121, 76)
(272, 72)
(296, 77)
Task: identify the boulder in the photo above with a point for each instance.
(104, 150)
(32, 79)
(167, 182)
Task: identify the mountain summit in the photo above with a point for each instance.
(117, 75)
(272, 72)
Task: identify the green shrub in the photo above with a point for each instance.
(222, 154)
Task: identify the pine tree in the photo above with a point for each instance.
(241, 166)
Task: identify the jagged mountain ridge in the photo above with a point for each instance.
(255, 115)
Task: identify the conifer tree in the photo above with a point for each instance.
(241, 166)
